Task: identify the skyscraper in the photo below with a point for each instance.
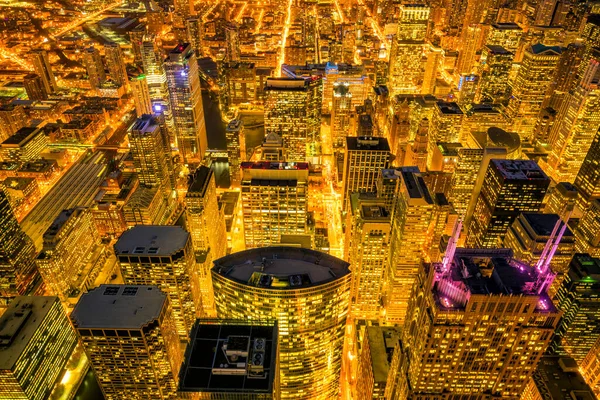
(194, 28)
(94, 67)
(36, 344)
(364, 158)
(185, 94)
(34, 87)
(141, 95)
(577, 298)
(411, 220)
(116, 64)
(42, 67)
(18, 274)
(407, 68)
(308, 293)
(274, 201)
(509, 188)
(341, 112)
(162, 255)
(561, 200)
(495, 65)
(491, 352)
(369, 231)
(587, 181)
(206, 225)
(293, 111)
(587, 232)
(235, 139)
(62, 263)
(131, 339)
(530, 86)
(445, 126)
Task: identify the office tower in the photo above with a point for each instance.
(308, 293)
(136, 37)
(590, 36)
(530, 86)
(116, 64)
(471, 38)
(445, 126)
(482, 126)
(493, 352)
(162, 255)
(37, 343)
(566, 77)
(411, 220)
(274, 201)
(528, 237)
(417, 151)
(406, 56)
(376, 373)
(231, 359)
(587, 181)
(25, 145)
(194, 28)
(587, 231)
(590, 368)
(494, 68)
(554, 377)
(130, 337)
(364, 158)
(141, 95)
(206, 224)
(18, 274)
(293, 111)
(509, 188)
(341, 113)
(241, 82)
(94, 67)
(235, 140)
(577, 298)
(576, 125)
(561, 200)
(369, 232)
(354, 76)
(42, 67)
(34, 87)
(505, 34)
(151, 153)
(183, 81)
(63, 262)
(432, 68)
(232, 35)
(272, 148)
(467, 88)
(12, 118)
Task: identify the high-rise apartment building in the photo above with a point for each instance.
(235, 140)
(587, 232)
(63, 262)
(131, 340)
(183, 81)
(465, 334)
(577, 298)
(231, 359)
(494, 68)
(42, 67)
(36, 343)
(162, 255)
(141, 95)
(369, 232)
(293, 111)
(530, 86)
(206, 225)
(18, 274)
(411, 221)
(274, 201)
(364, 159)
(34, 87)
(407, 68)
(576, 125)
(308, 293)
(509, 188)
(94, 67)
(116, 64)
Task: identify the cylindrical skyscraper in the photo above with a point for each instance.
(308, 293)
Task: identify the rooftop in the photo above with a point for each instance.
(367, 143)
(273, 165)
(584, 268)
(198, 181)
(497, 49)
(449, 108)
(506, 26)
(539, 49)
(19, 323)
(557, 376)
(118, 306)
(543, 224)
(230, 357)
(519, 169)
(22, 136)
(382, 341)
(281, 268)
(152, 240)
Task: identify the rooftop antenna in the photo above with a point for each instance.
(451, 249)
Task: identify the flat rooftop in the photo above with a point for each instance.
(19, 323)
(449, 108)
(273, 165)
(543, 224)
(118, 307)
(281, 267)
(230, 357)
(382, 341)
(495, 49)
(22, 136)
(557, 376)
(152, 240)
(367, 143)
(198, 181)
(519, 170)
